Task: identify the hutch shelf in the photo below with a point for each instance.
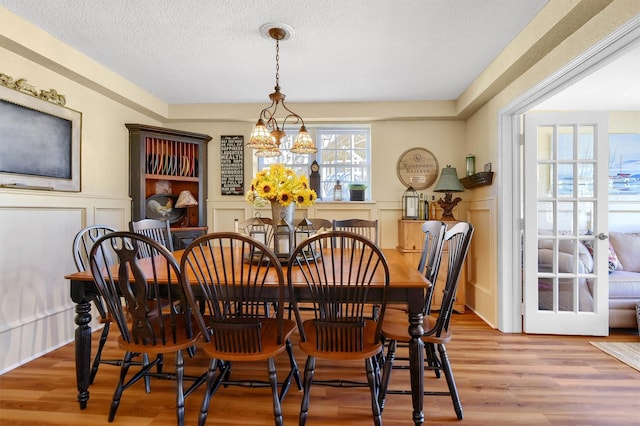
(163, 163)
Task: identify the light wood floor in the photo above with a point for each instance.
(502, 379)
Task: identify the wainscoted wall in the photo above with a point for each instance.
(482, 282)
(386, 212)
(37, 227)
(36, 313)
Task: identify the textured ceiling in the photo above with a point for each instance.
(204, 51)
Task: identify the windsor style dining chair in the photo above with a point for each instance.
(147, 324)
(339, 269)
(366, 228)
(82, 243)
(225, 278)
(437, 333)
(429, 265)
(157, 230)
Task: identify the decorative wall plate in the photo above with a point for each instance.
(417, 168)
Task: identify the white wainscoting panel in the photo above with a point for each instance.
(36, 310)
(482, 284)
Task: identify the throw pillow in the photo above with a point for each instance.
(627, 247)
(613, 258)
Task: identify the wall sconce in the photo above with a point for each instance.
(448, 183)
(410, 204)
(186, 199)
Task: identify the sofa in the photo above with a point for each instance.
(624, 277)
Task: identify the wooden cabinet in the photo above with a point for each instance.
(410, 238)
(162, 164)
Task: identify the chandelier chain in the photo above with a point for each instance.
(277, 63)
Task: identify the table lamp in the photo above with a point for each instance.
(186, 199)
(448, 183)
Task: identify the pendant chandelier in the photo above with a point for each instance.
(266, 136)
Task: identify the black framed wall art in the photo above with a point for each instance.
(39, 139)
(232, 165)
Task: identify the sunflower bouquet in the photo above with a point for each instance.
(280, 184)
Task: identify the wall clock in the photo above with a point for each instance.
(314, 178)
(417, 168)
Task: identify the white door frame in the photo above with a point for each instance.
(509, 181)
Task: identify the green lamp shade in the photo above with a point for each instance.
(449, 181)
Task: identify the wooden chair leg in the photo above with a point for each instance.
(98, 358)
(115, 403)
(273, 380)
(448, 373)
(375, 406)
(204, 408)
(309, 370)
(180, 387)
(432, 358)
(294, 365)
(386, 372)
(160, 363)
(147, 379)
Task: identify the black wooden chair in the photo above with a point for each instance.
(157, 230)
(436, 326)
(146, 325)
(82, 243)
(366, 228)
(429, 265)
(431, 255)
(339, 269)
(320, 225)
(226, 278)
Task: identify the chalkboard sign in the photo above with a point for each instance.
(39, 143)
(232, 165)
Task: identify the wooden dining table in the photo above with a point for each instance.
(407, 286)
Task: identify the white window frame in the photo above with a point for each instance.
(351, 169)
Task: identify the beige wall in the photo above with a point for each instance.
(483, 133)
(389, 140)
(624, 122)
(36, 228)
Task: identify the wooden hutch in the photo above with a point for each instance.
(163, 163)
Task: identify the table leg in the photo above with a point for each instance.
(83, 351)
(416, 365)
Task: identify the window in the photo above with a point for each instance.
(344, 153)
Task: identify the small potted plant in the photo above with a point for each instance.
(356, 191)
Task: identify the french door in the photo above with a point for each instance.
(565, 223)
